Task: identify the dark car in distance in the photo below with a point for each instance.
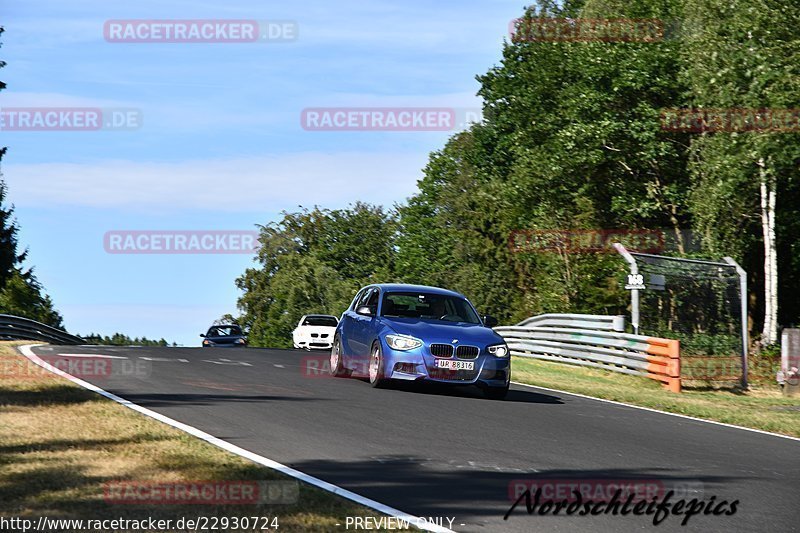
(224, 336)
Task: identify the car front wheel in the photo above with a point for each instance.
(337, 367)
(376, 374)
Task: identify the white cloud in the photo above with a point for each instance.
(259, 183)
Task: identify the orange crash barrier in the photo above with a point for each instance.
(664, 362)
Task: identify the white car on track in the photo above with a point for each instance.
(315, 331)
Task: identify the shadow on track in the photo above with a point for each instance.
(471, 391)
(478, 491)
(172, 399)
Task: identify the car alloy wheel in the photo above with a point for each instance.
(376, 367)
(337, 369)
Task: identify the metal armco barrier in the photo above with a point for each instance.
(15, 327)
(595, 341)
(599, 322)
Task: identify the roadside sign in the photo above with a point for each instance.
(635, 282)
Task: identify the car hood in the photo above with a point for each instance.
(434, 331)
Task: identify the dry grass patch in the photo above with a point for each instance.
(60, 444)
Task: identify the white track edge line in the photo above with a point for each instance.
(27, 351)
(659, 411)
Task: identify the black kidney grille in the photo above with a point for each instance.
(467, 352)
(441, 350)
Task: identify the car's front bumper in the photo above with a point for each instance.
(229, 345)
(314, 344)
(415, 365)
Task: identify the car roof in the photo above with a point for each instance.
(403, 287)
(326, 316)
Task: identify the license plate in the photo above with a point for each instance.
(455, 365)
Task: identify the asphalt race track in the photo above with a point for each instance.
(451, 453)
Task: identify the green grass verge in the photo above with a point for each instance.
(763, 407)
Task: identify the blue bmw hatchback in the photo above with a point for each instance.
(418, 333)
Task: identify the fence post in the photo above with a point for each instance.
(634, 292)
(745, 341)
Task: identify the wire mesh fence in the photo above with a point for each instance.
(699, 303)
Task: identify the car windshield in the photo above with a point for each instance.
(329, 321)
(428, 306)
(224, 331)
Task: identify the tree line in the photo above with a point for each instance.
(573, 137)
(120, 339)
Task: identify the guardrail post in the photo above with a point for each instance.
(674, 365)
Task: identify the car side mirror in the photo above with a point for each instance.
(364, 310)
(489, 321)
(202, 334)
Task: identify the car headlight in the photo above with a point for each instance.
(207, 342)
(402, 342)
(241, 341)
(498, 350)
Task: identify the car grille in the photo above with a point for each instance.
(441, 350)
(467, 352)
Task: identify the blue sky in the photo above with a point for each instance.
(221, 144)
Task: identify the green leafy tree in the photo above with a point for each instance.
(313, 261)
(571, 140)
(746, 185)
(227, 318)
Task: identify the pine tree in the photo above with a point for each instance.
(20, 292)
